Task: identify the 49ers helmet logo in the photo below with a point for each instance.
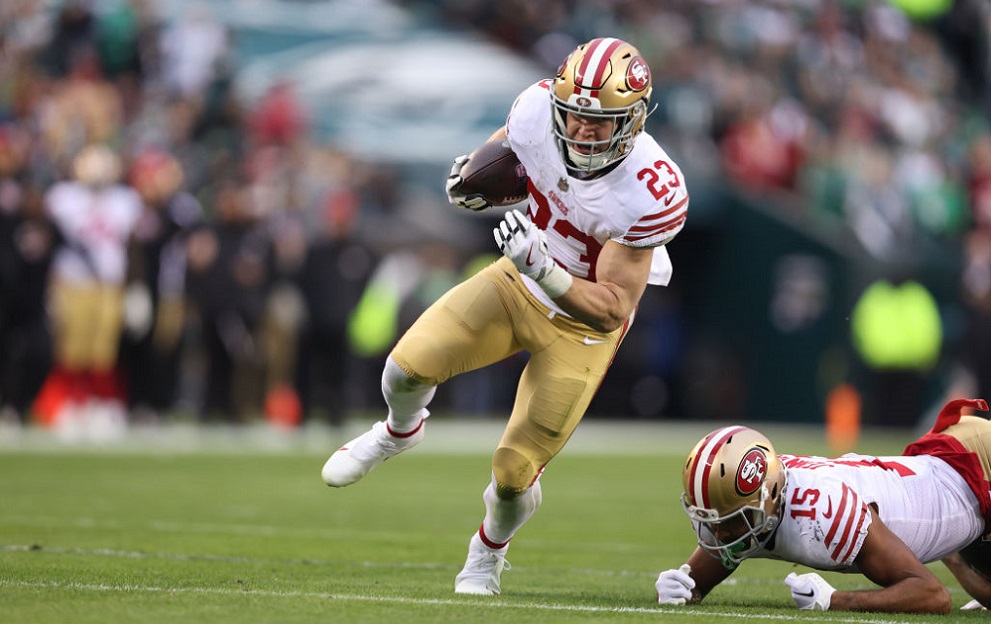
(750, 475)
(638, 74)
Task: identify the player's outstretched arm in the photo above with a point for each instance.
(908, 586)
(973, 583)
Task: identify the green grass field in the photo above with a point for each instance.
(237, 530)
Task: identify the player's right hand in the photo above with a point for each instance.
(473, 202)
(810, 591)
(674, 587)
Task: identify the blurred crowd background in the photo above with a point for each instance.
(228, 211)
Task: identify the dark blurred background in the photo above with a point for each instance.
(288, 160)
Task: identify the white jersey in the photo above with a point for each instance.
(642, 202)
(96, 224)
(824, 519)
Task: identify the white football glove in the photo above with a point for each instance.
(526, 245)
(139, 311)
(974, 605)
(810, 591)
(674, 587)
(473, 202)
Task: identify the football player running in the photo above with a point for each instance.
(604, 199)
(884, 517)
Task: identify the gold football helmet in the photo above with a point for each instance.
(733, 483)
(605, 78)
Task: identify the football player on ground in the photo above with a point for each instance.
(604, 199)
(884, 517)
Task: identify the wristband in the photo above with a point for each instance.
(556, 282)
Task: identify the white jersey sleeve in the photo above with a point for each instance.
(642, 202)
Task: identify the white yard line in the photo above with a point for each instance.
(403, 600)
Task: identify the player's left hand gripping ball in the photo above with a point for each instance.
(456, 196)
(526, 245)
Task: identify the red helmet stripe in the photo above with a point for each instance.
(702, 467)
(592, 70)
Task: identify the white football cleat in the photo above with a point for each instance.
(358, 457)
(483, 569)
(973, 605)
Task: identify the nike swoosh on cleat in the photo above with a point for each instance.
(593, 341)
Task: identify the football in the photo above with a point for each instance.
(494, 172)
(978, 556)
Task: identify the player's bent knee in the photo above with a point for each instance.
(395, 379)
(514, 472)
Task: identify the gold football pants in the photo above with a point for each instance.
(490, 317)
(974, 433)
(88, 321)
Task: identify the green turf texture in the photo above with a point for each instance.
(129, 536)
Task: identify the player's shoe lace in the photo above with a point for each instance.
(358, 457)
(483, 569)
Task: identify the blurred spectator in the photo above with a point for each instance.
(28, 242)
(877, 213)
(192, 50)
(156, 288)
(963, 31)
(284, 318)
(763, 149)
(976, 296)
(74, 32)
(229, 278)
(96, 216)
(278, 118)
(338, 266)
(82, 109)
(24, 31)
(117, 41)
(978, 180)
(898, 334)
(830, 60)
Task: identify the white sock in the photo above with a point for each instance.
(503, 518)
(407, 399)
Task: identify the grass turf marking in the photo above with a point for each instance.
(403, 600)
